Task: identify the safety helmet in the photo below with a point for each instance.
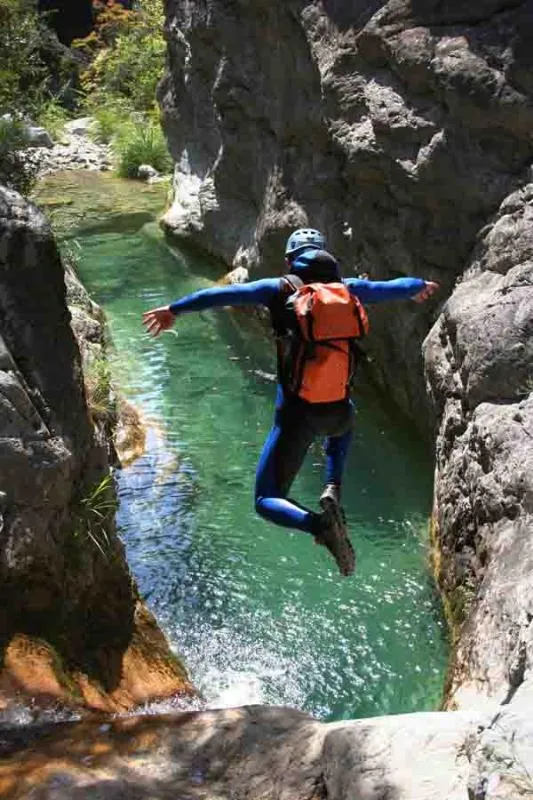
(302, 238)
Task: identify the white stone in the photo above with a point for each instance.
(146, 172)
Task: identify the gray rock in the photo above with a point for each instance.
(146, 172)
(479, 367)
(364, 117)
(263, 752)
(38, 137)
(50, 456)
(402, 129)
(79, 127)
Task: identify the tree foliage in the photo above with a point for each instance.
(128, 53)
(23, 72)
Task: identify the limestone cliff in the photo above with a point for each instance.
(397, 128)
(71, 624)
(479, 359)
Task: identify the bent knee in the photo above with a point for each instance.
(260, 506)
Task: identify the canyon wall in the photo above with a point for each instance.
(72, 626)
(396, 128)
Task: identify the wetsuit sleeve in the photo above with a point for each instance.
(260, 292)
(380, 291)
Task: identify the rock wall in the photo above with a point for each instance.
(71, 624)
(479, 359)
(397, 128)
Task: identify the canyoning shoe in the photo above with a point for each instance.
(333, 534)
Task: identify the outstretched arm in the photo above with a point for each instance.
(239, 294)
(397, 289)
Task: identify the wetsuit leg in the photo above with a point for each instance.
(282, 456)
(336, 449)
(337, 445)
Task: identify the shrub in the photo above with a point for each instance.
(23, 74)
(109, 118)
(141, 144)
(100, 398)
(15, 170)
(53, 116)
(128, 53)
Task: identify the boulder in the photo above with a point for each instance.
(79, 127)
(146, 172)
(38, 137)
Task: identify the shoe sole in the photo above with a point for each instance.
(342, 552)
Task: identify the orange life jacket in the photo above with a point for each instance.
(317, 333)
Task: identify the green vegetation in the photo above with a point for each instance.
(124, 58)
(23, 77)
(94, 513)
(127, 52)
(53, 116)
(141, 144)
(15, 171)
(127, 58)
(23, 73)
(98, 387)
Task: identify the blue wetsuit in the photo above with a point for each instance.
(296, 422)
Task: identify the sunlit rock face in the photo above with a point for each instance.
(479, 359)
(397, 128)
(71, 624)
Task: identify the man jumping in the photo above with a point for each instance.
(317, 317)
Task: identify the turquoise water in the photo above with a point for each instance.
(260, 614)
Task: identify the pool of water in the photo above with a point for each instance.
(259, 614)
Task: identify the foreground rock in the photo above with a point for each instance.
(275, 753)
(72, 626)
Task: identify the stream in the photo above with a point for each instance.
(259, 614)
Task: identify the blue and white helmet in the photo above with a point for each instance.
(302, 238)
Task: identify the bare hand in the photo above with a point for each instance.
(158, 319)
(430, 288)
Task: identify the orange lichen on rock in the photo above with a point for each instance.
(32, 671)
(130, 433)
